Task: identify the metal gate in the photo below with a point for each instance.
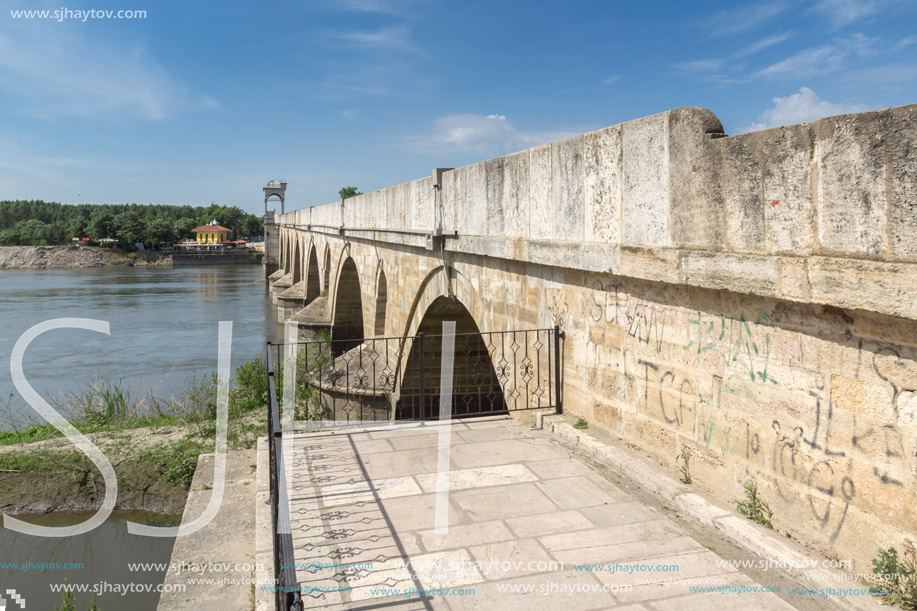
(398, 378)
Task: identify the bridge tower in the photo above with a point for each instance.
(274, 188)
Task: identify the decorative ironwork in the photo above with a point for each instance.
(386, 378)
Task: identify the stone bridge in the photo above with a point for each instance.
(751, 299)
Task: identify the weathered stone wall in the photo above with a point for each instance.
(752, 298)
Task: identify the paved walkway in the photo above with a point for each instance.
(523, 513)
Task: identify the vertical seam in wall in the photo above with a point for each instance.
(887, 252)
(760, 203)
(528, 220)
(620, 186)
(668, 191)
(815, 193)
(582, 190)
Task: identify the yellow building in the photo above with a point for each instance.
(212, 233)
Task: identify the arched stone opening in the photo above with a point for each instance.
(348, 309)
(476, 391)
(381, 302)
(327, 279)
(313, 287)
(296, 263)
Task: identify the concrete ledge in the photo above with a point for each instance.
(761, 541)
(603, 258)
(283, 283)
(264, 543)
(297, 292)
(226, 542)
(845, 282)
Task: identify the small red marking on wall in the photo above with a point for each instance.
(774, 203)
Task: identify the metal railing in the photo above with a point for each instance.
(398, 378)
(287, 595)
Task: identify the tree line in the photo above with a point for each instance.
(36, 222)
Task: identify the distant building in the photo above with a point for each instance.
(212, 233)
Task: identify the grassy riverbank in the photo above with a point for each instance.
(153, 447)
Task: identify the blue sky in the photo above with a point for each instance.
(206, 101)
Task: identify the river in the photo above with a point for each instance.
(163, 333)
(163, 324)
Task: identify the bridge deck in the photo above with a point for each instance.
(517, 497)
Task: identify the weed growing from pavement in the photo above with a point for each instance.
(754, 507)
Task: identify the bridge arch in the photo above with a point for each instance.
(313, 285)
(327, 269)
(476, 389)
(296, 262)
(347, 315)
(445, 281)
(447, 294)
(381, 303)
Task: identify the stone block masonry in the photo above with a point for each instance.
(751, 298)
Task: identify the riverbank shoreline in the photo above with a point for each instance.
(154, 468)
(77, 257)
(153, 449)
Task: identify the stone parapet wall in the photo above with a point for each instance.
(670, 198)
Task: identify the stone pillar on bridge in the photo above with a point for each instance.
(275, 188)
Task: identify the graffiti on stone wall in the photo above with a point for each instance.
(736, 342)
(609, 303)
(816, 457)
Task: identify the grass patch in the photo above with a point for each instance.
(581, 424)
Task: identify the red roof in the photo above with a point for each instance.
(211, 228)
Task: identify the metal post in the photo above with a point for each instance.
(422, 373)
(557, 394)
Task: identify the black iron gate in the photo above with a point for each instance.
(399, 378)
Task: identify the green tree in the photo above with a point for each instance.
(128, 227)
(101, 224)
(32, 231)
(9, 237)
(159, 229)
(34, 221)
(252, 226)
(78, 222)
(348, 192)
(182, 228)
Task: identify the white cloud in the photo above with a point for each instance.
(844, 12)
(701, 66)
(713, 70)
(800, 107)
(736, 21)
(403, 8)
(886, 77)
(611, 80)
(391, 38)
(819, 60)
(57, 72)
(762, 44)
(490, 134)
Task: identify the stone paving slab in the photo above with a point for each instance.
(523, 511)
